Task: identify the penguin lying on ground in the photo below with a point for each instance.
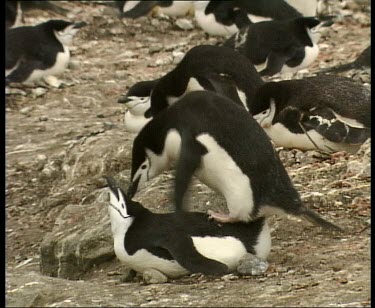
(136, 9)
(218, 141)
(14, 10)
(361, 63)
(204, 67)
(329, 113)
(280, 45)
(178, 244)
(35, 52)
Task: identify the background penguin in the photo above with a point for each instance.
(280, 46)
(136, 9)
(204, 67)
(137, 101)
(34, 52)
(333, 111)
(178, 244)
(361, 63)
(219, 142)
(14, 10)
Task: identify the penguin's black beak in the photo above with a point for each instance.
(133, 187)
(123, 99)
(327, 23)
(79, 25)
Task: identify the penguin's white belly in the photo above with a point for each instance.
(62, 60)
(306, 7)
(178, 8)
(209, 24)
(134, 123)
(219, 171)
(143, 260)
(227, 250)
(282, 137)
(311, 53)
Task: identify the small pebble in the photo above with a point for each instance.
(25, 110)
(252, 265)
(43, 118)
(184, 24)
(152, 276)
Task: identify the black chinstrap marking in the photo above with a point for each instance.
(110, 204)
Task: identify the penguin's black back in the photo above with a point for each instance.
(236, 131)
(341, 94)
(277, 35)
(205, 61)
(34, 42)
(156, 229)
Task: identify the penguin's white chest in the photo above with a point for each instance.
(209, 24)
(219, 171)
(134, 123)
(311, 53)
(178, 8)
(283, 137)
(61, 63)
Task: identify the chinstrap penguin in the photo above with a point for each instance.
(326, 112)
(204, 67)
(35, 52)
(280, 45)
(137, 102)
(223, 146)
(362, 62)
(176, 245)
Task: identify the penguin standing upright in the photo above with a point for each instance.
(204, 67)
(218, 141)
(279, 45)
(178, 244)
(326, 112)
(35, 52)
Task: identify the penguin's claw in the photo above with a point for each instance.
(220, 217)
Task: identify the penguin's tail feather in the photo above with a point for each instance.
(316, 219)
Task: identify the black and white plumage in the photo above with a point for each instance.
(178, 244)
(34, 52)
(362, 62)
(137, 102)
(280, 45)
(333, 111)
(222, 145)
(205, 67)
(136, 9)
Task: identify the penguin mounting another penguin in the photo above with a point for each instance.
(280, 45)
(136, 9)
(328, 113)
(204, 67)
(362, 62)
(14, 10)
(176, 245)
(35, 52)
(205, 134)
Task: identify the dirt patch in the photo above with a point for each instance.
(55, 157)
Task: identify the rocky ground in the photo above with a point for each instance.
(61, 141)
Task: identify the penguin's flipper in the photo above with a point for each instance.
(275, 62)
(189, 161)
(220, 83)
(185, 253)
(141, 9)
(24, 70)
(334, 128)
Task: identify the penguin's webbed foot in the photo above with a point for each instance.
(221, 217)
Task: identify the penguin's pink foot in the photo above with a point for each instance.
(222, 218)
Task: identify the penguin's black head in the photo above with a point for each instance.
(120, 203)
(304, 28)
(139, 93)
(63, 30)
(268, 100)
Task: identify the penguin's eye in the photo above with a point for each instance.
(264, 112)
(143, 167)
(122, 205)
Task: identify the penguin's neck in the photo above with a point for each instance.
(119, 225)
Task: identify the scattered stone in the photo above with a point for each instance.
(53, 81)
(14, 91)
(252, 265)
(155, 48)
(177, 56)
(184, 24)
(152, 276)
(43, 118)
(164, 61)
(229, 277)
(26, 110)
